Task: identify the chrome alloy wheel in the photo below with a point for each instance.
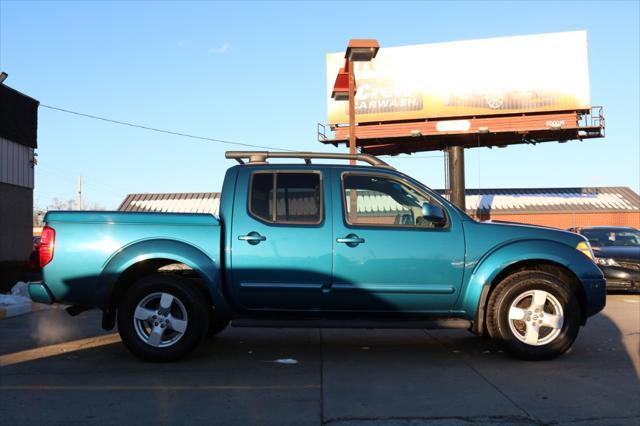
(160, 319)
(536, 317)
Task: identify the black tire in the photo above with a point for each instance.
(187, 298)
(519, 289)
(217, 325)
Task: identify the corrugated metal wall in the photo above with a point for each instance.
(16, 164)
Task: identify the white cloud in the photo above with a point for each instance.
(221, 49)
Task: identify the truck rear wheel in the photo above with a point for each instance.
(162, 317)
(534, 315)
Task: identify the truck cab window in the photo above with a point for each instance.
(378, 200)
(261, 204)
(286, 197)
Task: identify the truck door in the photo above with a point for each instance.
(387, 256)
(281, 238)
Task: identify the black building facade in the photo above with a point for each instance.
(18, 141)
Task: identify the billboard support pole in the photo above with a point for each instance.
(456, 175)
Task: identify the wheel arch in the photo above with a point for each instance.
(546, 256)
(147, 257)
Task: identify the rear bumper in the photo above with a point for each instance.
(39, 292)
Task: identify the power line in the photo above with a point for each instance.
(204, 138)
(91, 182)
(154, 129)
(73, 174)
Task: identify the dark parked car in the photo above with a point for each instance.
(617, 253)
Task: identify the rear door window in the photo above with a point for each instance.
(286, 197)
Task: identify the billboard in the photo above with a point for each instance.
(544, 72)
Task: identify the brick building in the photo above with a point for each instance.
(557, 207)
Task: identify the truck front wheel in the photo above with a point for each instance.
(534, 315)
(162, 317)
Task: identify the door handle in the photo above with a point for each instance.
(351, 240)
(252, 238)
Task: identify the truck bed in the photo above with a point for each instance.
(91, 246)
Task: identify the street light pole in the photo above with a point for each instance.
(352, 111)
(357, 51)
(353, 195)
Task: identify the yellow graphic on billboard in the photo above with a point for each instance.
(545, 72)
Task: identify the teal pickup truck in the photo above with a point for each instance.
(319, 245)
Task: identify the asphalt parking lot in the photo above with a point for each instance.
(58, 370)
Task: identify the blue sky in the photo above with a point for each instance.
(255, 73)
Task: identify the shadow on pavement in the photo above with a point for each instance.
(340, 377)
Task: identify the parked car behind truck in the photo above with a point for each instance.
(617, 253)
(363, 245)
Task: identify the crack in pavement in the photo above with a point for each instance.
(591, 419)
(507, 420)
(481, 420)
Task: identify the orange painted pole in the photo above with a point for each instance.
(353, 194)
(352, 110)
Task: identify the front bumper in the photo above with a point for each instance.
(39, 292)
(596, 293)
(621, 278)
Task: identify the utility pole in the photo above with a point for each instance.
(79, 196)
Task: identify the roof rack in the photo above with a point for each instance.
(260, 157)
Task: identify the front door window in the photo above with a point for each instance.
(381, 201)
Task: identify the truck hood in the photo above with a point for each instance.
(483, 236)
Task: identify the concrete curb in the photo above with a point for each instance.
(8, 311)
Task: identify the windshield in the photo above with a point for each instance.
(612, 237)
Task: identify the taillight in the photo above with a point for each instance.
(47, 243)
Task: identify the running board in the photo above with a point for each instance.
(455, 323)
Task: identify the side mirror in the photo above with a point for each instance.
(433, 213)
